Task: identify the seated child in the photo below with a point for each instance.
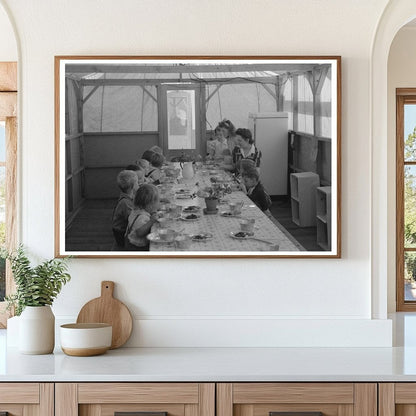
(128, 183)
(218, 145)
(144, 165)
(142, 217)
(147, 155)
(154, 174)
(141, 175)
(156, 149)
(255, 190)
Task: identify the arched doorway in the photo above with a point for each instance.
(396, 15)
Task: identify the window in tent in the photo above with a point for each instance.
(304, 98)
(235, 101)
(119, 108)
(324, 109)
(288, 101)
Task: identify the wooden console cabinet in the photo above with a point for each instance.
(208, 399)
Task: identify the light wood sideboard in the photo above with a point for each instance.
(208, 399)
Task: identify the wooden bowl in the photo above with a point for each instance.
(84, 340)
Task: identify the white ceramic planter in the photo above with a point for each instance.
(37, 330)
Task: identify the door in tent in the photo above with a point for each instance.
(182, 121)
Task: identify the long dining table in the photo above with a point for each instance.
(220, 229)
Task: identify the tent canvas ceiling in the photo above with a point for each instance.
(124, 98)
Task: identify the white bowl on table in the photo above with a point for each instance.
(83, 340)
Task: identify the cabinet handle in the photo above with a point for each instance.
(295, 413)
(138, 414)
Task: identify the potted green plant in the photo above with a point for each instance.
(211, 200)
(213, 195)
(36, 289)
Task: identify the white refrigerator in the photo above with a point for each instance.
(270, 132)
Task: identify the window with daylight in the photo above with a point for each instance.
(406, 199)
(8, 165)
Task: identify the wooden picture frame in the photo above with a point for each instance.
(109, 109)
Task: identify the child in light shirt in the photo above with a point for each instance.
(219, 145)
(127, 182)
(142, 217)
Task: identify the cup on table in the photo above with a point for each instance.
(166, 234)
(247, 225)
(163, 222)
(235, 207)
(183, 241)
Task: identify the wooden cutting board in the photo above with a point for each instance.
(107, 309)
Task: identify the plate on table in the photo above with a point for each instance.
(191, 209)
(201, 237)
(229, 214)
(184, 196)
(155, 238)
(190, 217)
(183, 191)
(241, 235)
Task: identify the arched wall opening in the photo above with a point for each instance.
(396, 15)
(401, 74)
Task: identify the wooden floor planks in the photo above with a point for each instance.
(91, 228)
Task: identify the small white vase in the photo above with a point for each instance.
(37, 330)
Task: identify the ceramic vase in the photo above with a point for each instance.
(187, 170)
(37, 330)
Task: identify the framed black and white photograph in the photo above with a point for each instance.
(198, 156)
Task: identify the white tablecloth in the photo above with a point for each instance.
(221, 227)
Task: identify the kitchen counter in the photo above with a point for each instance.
(215, 364)
(222, 364)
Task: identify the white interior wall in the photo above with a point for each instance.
(8, 46)
(223, 301)
(401, 74)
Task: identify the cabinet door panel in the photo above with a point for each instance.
(105, 399)
(27, 399)
(331, 399)
(397, 399)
